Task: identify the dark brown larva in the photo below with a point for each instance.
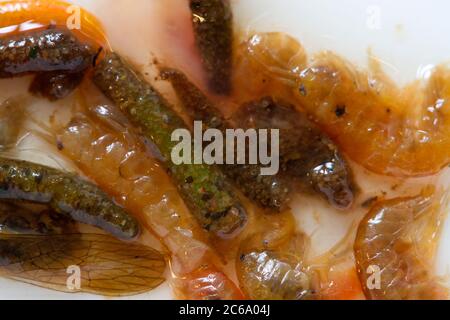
(55, 85)
(305, 151)
(213, 28)
(55, 54)
(269, 191)
(15, 218)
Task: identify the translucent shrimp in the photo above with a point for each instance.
(276, 263)
(12, 117)
(99, 141)
(270, 264)
(403, 132)
(204, 188)
(395, 248)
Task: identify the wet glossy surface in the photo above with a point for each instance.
(398, 240)
(387, 129)
(109, 136)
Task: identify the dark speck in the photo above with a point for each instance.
(94, 61)
(340, 111)
(302, 90)
(59, 145)
(207, 197)
(33, 52)
(195, 5)
(189, 180)
(38, 178)
(369, 202)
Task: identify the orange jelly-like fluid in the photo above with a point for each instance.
(22, 15)
(401, 132)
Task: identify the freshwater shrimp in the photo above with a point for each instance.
(397, 239)
(391, 131)
(12, 118)
(270, 259)
(305, 151)
(101, 143)
(204, 188)
(268, 191)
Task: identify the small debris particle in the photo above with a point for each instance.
(340, 110)
(302, 90)
(369, 202)
(59, 145)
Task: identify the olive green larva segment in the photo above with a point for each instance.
(271, 191)
(64, 193)
(213, 29)
(306, 152)
(203, 187)
(195, 103)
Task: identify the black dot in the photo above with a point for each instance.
(340, 110)
(302, 90)
(59, 145)
(206, 197)
(189, 180)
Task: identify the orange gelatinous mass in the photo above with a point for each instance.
(22, 15)
(343, 285)
(102, 143)
(402, 132)
(206, 283)
(395, 249)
